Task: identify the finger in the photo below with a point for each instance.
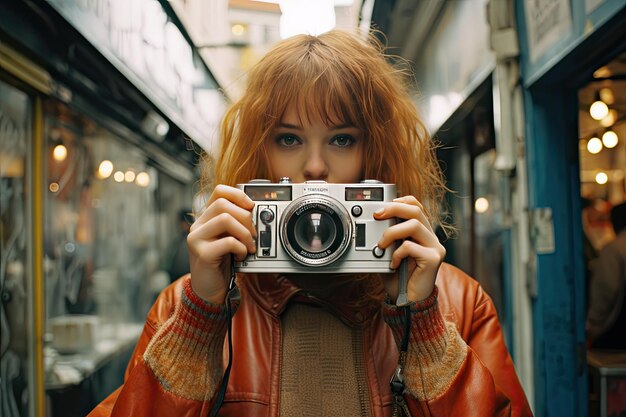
(232, 194)
(411, 229)
(423, 255)
(222, 225)
(219, 248)
(222, 205)
(403, 211)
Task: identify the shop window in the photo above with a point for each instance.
(488, 227)
(15, 279)
(109, 218)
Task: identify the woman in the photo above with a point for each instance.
(322, 108)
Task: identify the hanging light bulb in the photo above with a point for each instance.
(594, 145)
(105, 169)
(59, 153)
(481, 205)
(609, 139)
(598, 110)
(129, 176)
(610, 118)
(606, 95)
(143, 179)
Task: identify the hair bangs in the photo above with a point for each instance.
(319, 91)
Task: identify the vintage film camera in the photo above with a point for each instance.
(317, 227)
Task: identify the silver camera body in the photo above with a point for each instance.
(317, 227)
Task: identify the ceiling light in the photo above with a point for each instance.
(105, 169)
(601, 178)
(609, 139)
(59, 153)
(599, 110)
(606, 95)
(129, 176)
(143, 179)
(481, 205)
(610, 118)
(594, 145)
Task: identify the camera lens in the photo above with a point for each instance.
(315, 232)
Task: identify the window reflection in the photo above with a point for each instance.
(15, 120)
(104, 240)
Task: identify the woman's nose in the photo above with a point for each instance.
(315, 166)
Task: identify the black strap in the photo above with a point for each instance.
(232, 293)
(397, 380)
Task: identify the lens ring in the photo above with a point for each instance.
(329, 208)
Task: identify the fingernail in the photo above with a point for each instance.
(380, 211)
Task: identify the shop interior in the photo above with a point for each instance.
(602, 156)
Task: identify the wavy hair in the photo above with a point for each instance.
(338, 77)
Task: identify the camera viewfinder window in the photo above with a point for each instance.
(364, 194)
(272, 193)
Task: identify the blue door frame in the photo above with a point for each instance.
(551, 111)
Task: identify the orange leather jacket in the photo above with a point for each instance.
(485, 384)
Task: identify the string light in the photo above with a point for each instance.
(59, 153)
(599, 110)
(594, 145)
(481, 205)
(105, 169)
(609, 139)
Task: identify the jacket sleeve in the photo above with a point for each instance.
(446, 374)
(175, 368)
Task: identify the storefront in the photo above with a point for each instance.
(104, 109)
(566, 50)
(464, 105)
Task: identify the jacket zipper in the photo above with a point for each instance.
(359, 366)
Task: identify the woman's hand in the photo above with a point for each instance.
(420, 245)
(225, 227)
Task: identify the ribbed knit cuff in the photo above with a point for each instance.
(185, 354)
(435, 352)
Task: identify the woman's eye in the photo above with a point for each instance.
(343, 141)
(287, 140)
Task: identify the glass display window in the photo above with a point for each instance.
(15, 281)
(108, 220)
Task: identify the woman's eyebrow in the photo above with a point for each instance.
(298, 127)
(343, 126)
(290, 126)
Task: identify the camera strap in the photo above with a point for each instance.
(397, 380)
(232, 294)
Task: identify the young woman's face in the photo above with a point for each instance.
(313, 151)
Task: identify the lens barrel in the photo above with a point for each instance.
(315, 230)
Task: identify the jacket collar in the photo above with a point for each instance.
(273, 292)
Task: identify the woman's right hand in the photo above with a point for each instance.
(225, 227)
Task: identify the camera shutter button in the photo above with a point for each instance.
(378, 251)
(357, 211)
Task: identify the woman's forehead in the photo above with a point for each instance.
(299, 112)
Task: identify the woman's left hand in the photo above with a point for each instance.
(419, 244)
